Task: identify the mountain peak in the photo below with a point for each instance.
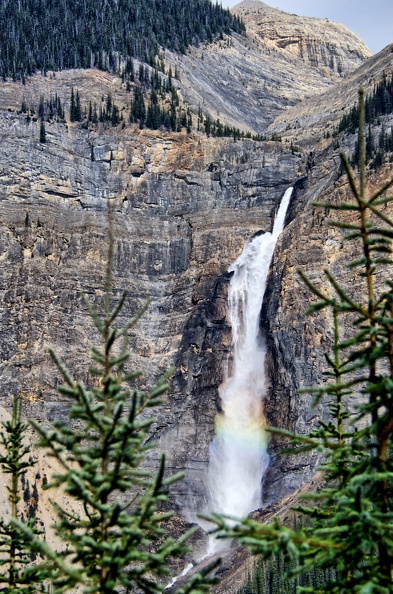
(319, 42)
(253, 4)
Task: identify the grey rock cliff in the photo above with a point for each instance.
(326, 46)
(183, 207)
(308, 122)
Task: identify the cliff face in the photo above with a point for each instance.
(183, 207)
(310, 121)
(297, 343)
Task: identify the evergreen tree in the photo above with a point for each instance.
(41, 108)
(42, 132)
(351, 517)
(95, 115)
(75, 106)
(138, 109)
(117, 541)
(208, 125)
(68, 34)
(115, 115)
(72, 106)
(109, 104)
(173, 118)
(78, 111)
(130, 69)
(17, 574)
(169, 82)
(189, 121)
(377, 104)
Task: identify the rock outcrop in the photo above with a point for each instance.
(323, 45)
(313, 120)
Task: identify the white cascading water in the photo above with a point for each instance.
(238, 456)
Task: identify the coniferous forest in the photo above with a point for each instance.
(56, 35)
(377, 104)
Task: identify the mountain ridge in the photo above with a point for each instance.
(318, 113)
(318, 42)
(247, 82)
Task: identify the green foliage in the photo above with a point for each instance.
(378, 103)
(49, 110)
(112, 524)
(17, 575)
(138, 108)
(351, 528)
(75, 106)
(217, 129)
(40, 35)
(270, 576)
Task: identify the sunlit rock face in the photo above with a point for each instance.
(248, 81)
(328, 47)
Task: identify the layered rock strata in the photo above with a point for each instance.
(183, 207)
(328, 47)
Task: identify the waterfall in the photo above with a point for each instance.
(238, 453)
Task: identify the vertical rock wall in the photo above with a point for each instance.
(183, 207)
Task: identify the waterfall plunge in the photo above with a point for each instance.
(238, 456)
